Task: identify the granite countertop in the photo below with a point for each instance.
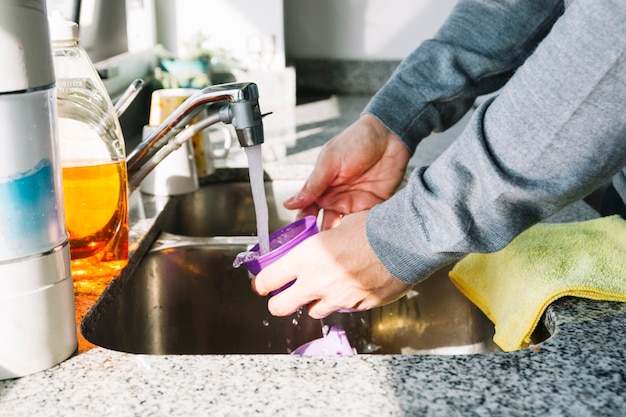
(578, 371)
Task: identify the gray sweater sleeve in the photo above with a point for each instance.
(555, 132)
(474, 53)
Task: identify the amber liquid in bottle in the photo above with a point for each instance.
(96, 201)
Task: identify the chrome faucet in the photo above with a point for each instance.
(235, 103)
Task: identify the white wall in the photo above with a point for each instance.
(252, 30)
(360, 29)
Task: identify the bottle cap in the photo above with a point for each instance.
(62, 29)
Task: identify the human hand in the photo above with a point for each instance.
(335, 270)
(359, 168)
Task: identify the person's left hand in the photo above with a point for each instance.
(335, 270)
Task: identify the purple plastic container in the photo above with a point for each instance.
(281, 242)
(335, 343)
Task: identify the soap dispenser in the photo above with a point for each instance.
(37, 315)
(93, 159)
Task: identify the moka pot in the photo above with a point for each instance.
(37, 316)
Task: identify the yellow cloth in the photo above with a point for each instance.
(514, 286)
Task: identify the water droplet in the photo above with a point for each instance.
(371, 348)
(294, 321)
(412, 294)
(266, 322)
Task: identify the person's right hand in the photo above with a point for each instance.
(359, 168)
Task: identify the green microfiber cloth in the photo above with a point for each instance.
(514, 286)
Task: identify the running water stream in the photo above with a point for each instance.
(255, 168)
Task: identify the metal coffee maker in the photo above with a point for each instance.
(37, 315)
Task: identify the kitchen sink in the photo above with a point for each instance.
(185, 297)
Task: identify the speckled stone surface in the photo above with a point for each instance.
(579, 371)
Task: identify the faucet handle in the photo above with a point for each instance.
(246, 118)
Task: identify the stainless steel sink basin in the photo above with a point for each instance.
(185, 297)
(227, 209)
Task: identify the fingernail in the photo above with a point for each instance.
(295, 198)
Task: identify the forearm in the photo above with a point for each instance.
(555, 133)
(474, 53)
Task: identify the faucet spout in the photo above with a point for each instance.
(239, 106)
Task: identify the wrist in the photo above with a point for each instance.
(383, 134)
(377, 127)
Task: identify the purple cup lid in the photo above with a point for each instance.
(335, 343)
(281, 242)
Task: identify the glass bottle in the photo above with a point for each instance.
(95, 186)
